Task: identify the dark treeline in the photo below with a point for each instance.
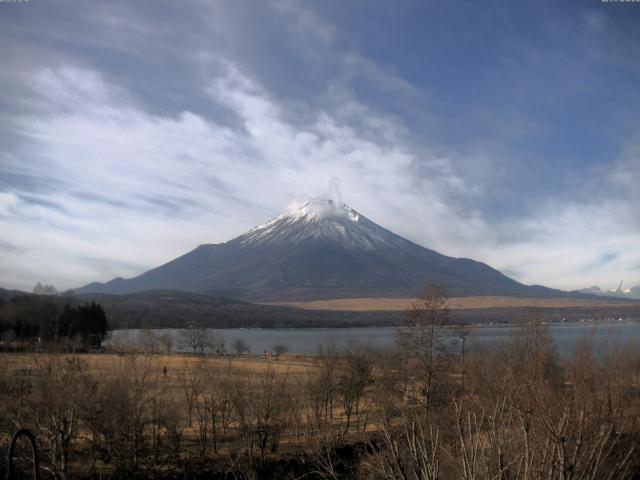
(32, 318)
(177, 309)
(173, 309)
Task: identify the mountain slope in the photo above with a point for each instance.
(319, 249)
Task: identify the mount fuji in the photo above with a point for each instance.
(319, 249)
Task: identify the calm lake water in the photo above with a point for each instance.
(308, 341)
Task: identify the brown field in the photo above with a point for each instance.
(139, 414)
(101, 364)
(162, 390)
(454, 303)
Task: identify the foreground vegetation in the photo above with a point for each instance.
(418, 411)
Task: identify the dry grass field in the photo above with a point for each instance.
(99, 365)
(169, 401)
(358, 415)
(454, 303)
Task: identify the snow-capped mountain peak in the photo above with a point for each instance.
(319, 219)
(320, 248)
(318, 209)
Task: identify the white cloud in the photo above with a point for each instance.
(130, 189)
(8, 201)
(571, 246)
(304, 21)
(626, 174)
(130, 186)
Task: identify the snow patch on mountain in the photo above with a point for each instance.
(318, 209)
(322, 219)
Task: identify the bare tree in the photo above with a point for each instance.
(355, 375)
(216, 403)
(123, 413)
(219, 343)
(196, 338)
(423, 340)
(191, 382)
(150, 341)
(391, 383)
(409, 450)
(461, 333)
(166, 340)
(240, 347)
(262, 416)
(62, 390)
(322, 386)
(279, 349)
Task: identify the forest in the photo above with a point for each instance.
(36, 319)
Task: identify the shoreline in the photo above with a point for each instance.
(566, 323)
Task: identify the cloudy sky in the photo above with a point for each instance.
(504, 131)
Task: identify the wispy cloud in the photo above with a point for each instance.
(108, 168)
(125, 176)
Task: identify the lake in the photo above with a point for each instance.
(307, 341)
